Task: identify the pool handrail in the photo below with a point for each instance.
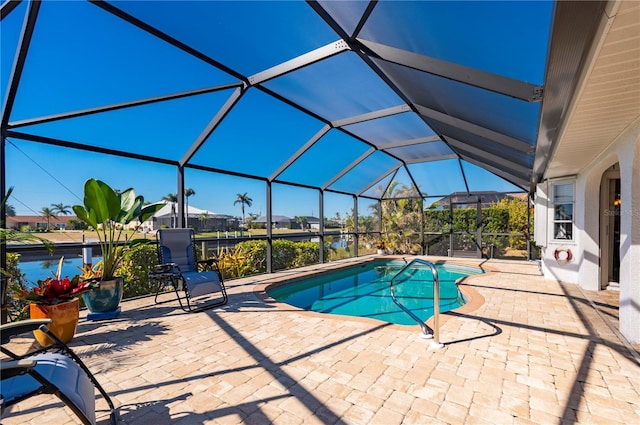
(436, 302)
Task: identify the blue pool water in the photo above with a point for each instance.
(364, 291)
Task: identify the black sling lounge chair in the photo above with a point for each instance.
(201, 281)
(53, 370)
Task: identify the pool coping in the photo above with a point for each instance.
(474, 299)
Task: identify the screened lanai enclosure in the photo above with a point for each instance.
(346, 123)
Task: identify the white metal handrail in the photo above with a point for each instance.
(436, 302)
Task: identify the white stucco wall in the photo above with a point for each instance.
(552, 269)
(592, 213)
(584, 269)
(630, 237)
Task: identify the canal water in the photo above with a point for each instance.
(38, 270)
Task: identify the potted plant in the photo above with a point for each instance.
(110, 215)
(57, 299)
(381, 246)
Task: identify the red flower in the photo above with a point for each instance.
(60, 287)
(55, 291)
(82, 287)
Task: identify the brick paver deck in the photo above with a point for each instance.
(535, 351)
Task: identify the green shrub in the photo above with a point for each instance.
(245, 259)
(16, 282)
(307, 253)
(494, 220)
(250, 257)
(75, 224)
(138, 262)
(283, 254)
(334, 254)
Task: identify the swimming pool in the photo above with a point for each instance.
(364, 291)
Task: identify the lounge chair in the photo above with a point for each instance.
(201, 281)
(53, 370)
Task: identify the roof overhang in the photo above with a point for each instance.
(603, 101)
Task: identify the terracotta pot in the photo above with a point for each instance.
(65, 320)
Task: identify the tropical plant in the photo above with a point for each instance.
(17, 281)
(349, 225)
(61, 209)
(89, 271)
(519, 222)
(508, 216)
(401, 218)
(109, 214)
(47, 213)
(54, 290)
(10, 210)
(136, 265)
(243, 199)
(366, 224)
(233, 262)
(250, 257)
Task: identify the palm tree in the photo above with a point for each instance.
(243, 199)
(188, 192)
(10, 210)
(172, 198)
(47, 214)
(61, 208)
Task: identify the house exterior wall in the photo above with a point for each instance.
(629, 159)
(38, 222)
(212, 223)
(561, 271)
(584, 267)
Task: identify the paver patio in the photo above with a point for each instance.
(535, 351)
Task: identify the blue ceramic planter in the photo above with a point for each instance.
(106, 298)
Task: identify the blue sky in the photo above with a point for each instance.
(43, 175)
(82, 57)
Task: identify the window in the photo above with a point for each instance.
(563, 211)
